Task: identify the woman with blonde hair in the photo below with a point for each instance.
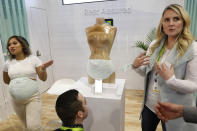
(170, 69)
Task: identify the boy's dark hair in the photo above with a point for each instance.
(67, 106)
(24, 44)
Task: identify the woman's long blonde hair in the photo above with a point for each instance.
(185, 37)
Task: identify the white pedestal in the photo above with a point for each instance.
(106, 110)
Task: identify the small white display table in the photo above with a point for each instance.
(106, 110)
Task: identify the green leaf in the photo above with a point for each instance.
(142, 45)
(149, 38)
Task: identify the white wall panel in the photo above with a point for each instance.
(39, 35)
(38, 3)
(40, 42)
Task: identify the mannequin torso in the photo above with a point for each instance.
(100, 39)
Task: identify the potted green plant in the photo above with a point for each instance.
(149, 38)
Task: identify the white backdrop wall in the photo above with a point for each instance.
(68, 42)
(39, 35)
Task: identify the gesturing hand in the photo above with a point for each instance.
(165, 72)
(46, 65)
(140, 60)
(168, 111)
